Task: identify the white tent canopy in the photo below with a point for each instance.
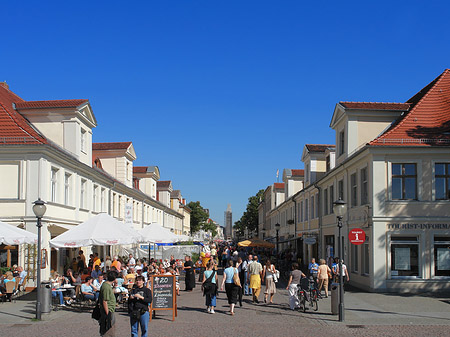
(155, 233)
(12, 235)
(100, 230)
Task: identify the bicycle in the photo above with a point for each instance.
(308, 293)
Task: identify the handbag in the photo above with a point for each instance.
(275, 276)
(208, 286)
(236, 279)
(96, 312)
(135, 314)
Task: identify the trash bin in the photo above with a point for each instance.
(335, 298)
(46, 296)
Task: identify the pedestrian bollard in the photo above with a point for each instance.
(335, 298)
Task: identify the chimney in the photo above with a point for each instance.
(4, 85)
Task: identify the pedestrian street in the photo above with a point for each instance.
(367, 314)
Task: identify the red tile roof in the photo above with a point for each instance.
(428, 121)
(14, 128)
(139, 169)
(375, 106)
(66, 103)
(279, 185)
(297, 173)
(163, 183)
(111, 146)
(318, 147)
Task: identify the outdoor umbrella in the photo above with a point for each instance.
(155, 233)
(12, 235)
(100, 230)
(255, 242)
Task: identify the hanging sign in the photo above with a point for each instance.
(309, 241)
(357, 236)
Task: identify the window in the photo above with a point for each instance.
(312, 207)
(331, 189)
(114, 205)
(404, 256)
(442, 181)
(94, 198)
(354, 261)
(366, 257)
(83, 140)
(317, 206)
(83, 194)
(354, 190)
(307, 172)
(341, 142)
(102, 200)
(327, 163)
(306, 209)
(325, 201)
(404, 181)
(67, 189)
(341, 189)
(364, 190)
(54, 184)
(301, 211)
(442, 256)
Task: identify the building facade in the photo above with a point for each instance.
(391, 166)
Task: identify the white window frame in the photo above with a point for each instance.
(67, 185)
(54, 184)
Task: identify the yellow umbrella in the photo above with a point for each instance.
(255, 242)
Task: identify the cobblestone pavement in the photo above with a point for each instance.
(367, 314)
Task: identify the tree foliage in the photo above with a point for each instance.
(198, 216)
(210, 226)
(249, 219)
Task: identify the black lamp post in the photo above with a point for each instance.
(339, 208)
(39, 210)
(277, 227)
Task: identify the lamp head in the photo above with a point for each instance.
(277, 226)
(39, 208)
(339, 207)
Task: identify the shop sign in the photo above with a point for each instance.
(310, 241)
(357, 236)
(418, 226)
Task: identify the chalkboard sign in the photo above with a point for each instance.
(164, 293)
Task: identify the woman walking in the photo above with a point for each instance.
(271, 289)
(323, 275)
(140, 298)
(190, 277)
(294, 280)
(209, 286)
(230, 288)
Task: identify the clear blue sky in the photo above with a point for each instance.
(219, 94)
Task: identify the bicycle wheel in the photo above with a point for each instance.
(302, 303)
(315, 302)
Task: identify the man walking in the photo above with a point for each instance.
(245, 266)
(107, 305)
(255, 272)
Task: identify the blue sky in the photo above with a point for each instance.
(221, 94)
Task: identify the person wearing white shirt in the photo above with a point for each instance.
(97, 284)
(131, 261)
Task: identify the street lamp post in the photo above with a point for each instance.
(277, 227)
(39, 210)
(339, 208)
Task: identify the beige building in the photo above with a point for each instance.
(391, 165)
(46, 152)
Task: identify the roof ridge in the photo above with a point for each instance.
(436, 81)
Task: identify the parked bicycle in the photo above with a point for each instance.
(308, 294)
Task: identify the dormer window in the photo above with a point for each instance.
(83, 140)
(341, 142)
(307, 172)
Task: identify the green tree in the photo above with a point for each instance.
(210, 226)
(239, 228)
(249, 219)
(198, 216)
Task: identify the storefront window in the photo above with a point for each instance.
(442, 256)
(354, 261)
(366, 260)
(404, 256)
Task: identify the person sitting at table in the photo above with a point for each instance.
(87, 290)
(56, 285)
(97, 283)
(22, 274)
(85, 275)
(9, 278)
(96, 271)
(119, 290)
